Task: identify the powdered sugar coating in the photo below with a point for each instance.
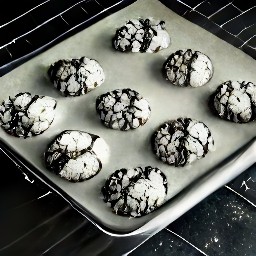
(188, 68)
(75, 77)
(182, 141)
(136, 191)
(235, 101)
(123, 109)
(26, 115)
(142, 35)
(75, 155)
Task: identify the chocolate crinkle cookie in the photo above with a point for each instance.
(235, 101)
(76, 155)
(136, 191)
(75, 77)
(141, 35)
(188, 68)
(26, 115)
(182, 141)
(123, 109)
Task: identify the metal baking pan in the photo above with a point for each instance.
(141, 72)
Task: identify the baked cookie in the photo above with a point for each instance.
(188, 68)
(26, 115)
(141, 35)
(76, 155)
(75, 77)
(235, 101)
(136, 191)
(182, 141)
(123, 109)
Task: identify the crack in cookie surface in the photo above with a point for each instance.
(141, 35)
(182, 141)
(235, 101)
(188, 68)
(73, 155)
(123, 109)
(136, 191)
(75, 77)
(26, 115)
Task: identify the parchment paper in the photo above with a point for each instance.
(141, 72)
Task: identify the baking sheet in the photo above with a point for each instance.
(140, 72)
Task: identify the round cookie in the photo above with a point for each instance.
(182, 141)
(123, 109)
(141, 35)
(75, 77)
(26, 115)
(76, 155)
(136, 191)
(235, 101)
(188, 68)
